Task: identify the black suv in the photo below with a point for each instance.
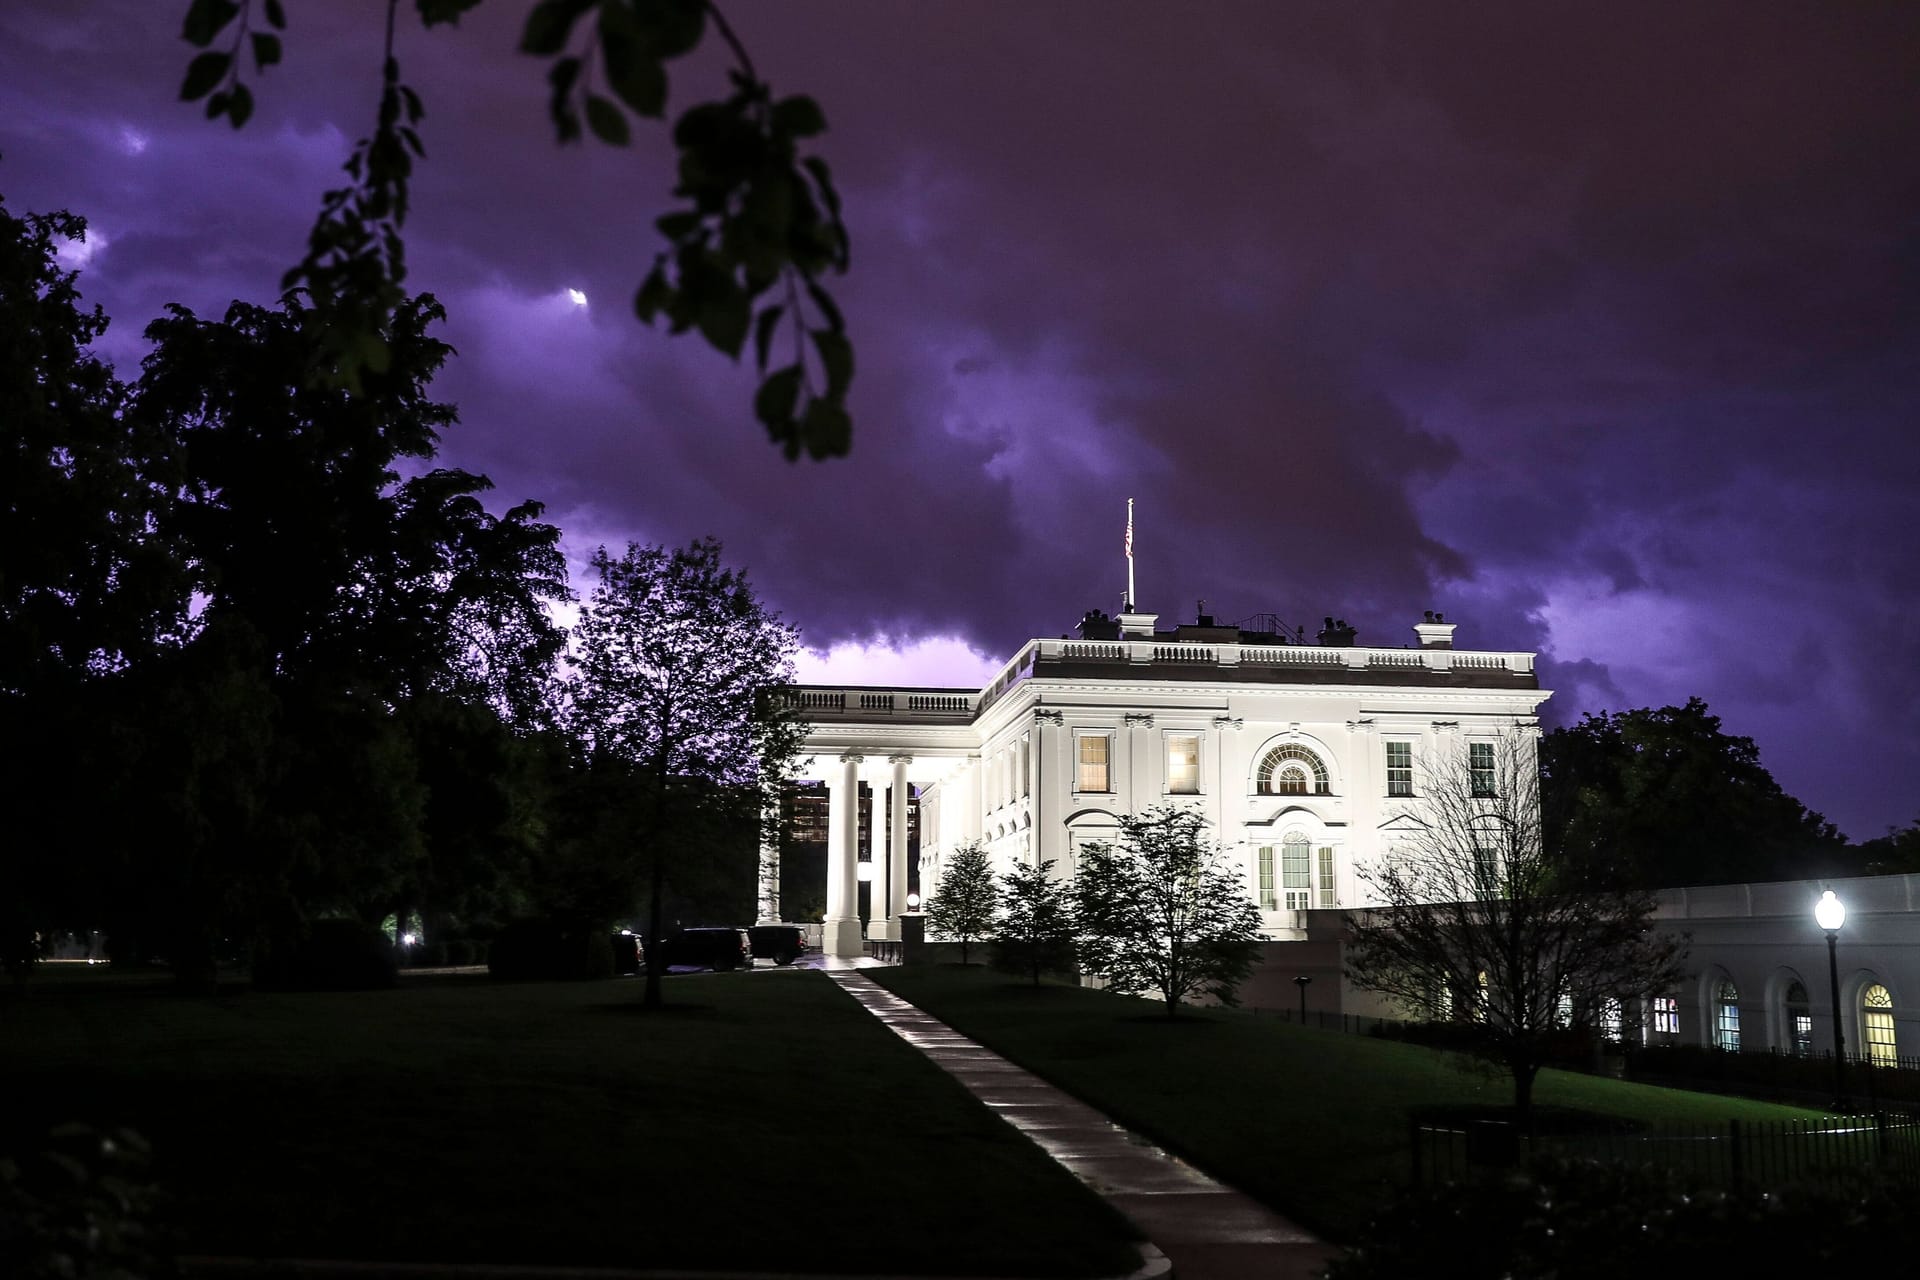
(716, 949)
(780, 943)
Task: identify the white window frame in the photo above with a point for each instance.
(1081, 735)
(1166, 760)
(1408, 783)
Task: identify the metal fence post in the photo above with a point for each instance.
(1737, 1171)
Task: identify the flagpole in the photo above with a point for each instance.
(1130, 596)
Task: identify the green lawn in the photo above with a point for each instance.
(1313, 1122)
(766, 1122)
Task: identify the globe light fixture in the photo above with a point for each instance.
(1830, 913)
(913, 902)
(864, 871)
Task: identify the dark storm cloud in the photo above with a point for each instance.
(1596, 329)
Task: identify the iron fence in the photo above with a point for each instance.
(1767, 1154)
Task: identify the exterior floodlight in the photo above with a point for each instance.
(1830, 912)
(864, 871)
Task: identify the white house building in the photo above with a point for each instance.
(1302, 756)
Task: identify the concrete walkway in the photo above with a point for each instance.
(1208, 1231)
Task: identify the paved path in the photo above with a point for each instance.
(1209, 1231)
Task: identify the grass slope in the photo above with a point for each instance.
(1312, 1122)
(766, 1122)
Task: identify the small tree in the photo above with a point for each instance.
(1034, 932)
(1479, 920)
(677, 666)
(1160, 913)
(963, 902)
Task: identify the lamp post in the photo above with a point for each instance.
(1830, 913)
(863, 874)
(1301, 982)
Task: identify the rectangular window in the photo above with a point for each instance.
(1329, 896)
(1666, 1016)
(1183, 764)
(1295, 875)
(1399, 768)
(1803, 1035)
(1486, 873)
(1480, 769)
(1267, 901)
(1095, 748)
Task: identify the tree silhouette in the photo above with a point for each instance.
(1479, 920)
(1160, 912)
(963, 902)
(1034, 932)
(675, 677)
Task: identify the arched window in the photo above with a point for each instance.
(1876, 1026)
(1798, 1021)
(1272, 778)
(1726, 1016)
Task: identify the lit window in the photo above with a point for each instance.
(1094, 751)
(1480, 769)
(1799, 1022)
(1399, 768)
(1611, 1014)
(1296, 872)
(1726, 1017)
(1876, 1026)
(1666, 1017)
(1267, 901)
(1329, 897)
(1183, 764)
(1284, 771)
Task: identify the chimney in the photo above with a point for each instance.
(1435, 631)
(1335, 633)
(1098, 626)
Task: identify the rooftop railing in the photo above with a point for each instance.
(949, 705)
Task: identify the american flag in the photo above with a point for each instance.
(1129, 528)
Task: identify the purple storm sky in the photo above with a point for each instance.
(1596, 327)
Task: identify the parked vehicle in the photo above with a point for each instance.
(629, 956)
(780, 943)
(716, 949)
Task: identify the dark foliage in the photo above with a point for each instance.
(82, 1206)
(1649, 798)
(333, 955)
(548, 950)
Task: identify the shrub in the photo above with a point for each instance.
(1577, 1219)
(550, 950)
(80, 1206)
(335, 955)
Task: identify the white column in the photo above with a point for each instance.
(876, 845)
(897, 846)
(769, 873)
(841, 936)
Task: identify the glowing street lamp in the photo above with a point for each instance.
(1830, 913)
(863, 871)
(1301, 982)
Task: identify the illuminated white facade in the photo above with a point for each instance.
(1300, 756)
